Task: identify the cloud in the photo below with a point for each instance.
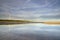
(30, 9)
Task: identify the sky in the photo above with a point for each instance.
(30, 9)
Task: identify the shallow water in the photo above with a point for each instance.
(30, 32)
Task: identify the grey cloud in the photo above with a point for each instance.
(1, 10)
(51, 17)
(29, 9)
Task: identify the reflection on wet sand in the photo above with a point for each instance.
(36, 31)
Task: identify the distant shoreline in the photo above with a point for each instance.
(11, 22)
(7, 22)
